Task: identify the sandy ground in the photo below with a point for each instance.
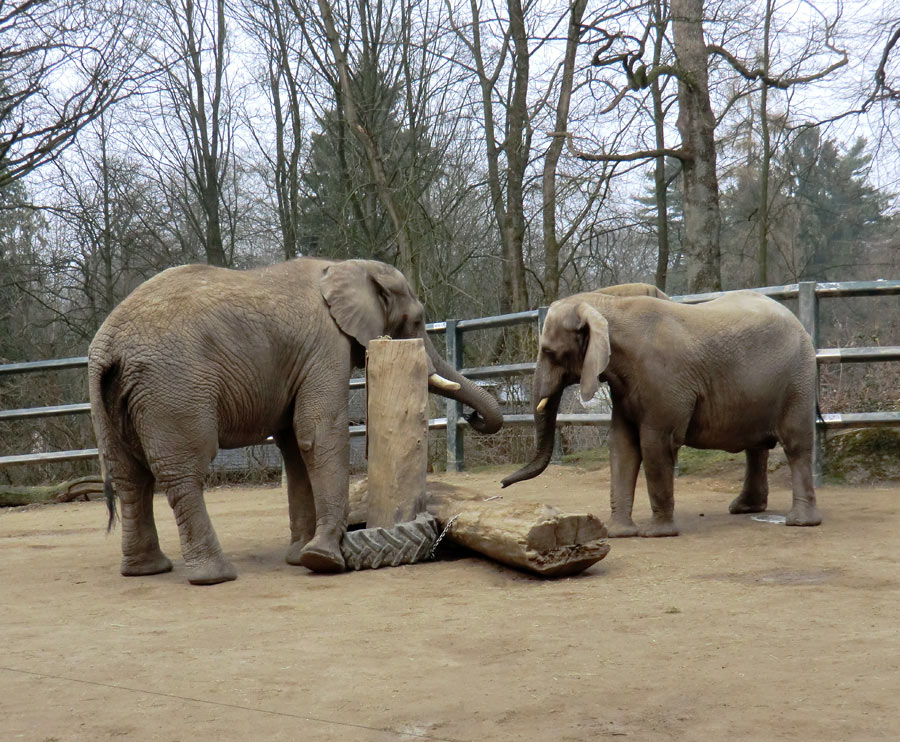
(737, 629)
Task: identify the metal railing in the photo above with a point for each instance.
(807, 295)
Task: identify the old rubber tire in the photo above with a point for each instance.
(404, 543)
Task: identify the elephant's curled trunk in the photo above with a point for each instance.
(487, 416)
(544, 433)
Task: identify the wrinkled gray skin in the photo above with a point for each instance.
(737, 373)
(201, 358)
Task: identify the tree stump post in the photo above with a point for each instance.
(397, 430)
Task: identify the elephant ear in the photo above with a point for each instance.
(596, 356)
(357, 293)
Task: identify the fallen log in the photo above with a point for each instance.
(532, 537)
(82, 488)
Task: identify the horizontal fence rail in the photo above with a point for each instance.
(806, 293)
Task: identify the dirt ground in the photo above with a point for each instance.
(737, 629)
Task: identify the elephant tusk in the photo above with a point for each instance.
(441, 383)
(542, 404)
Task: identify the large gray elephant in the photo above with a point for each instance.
(201, 358)
(736, 373)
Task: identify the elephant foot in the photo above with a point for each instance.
(803, 515)
(152, 564)
(295, 552)
(745, 503)
(659, 528)
(322, 554)
(621, 528)
(212, 572)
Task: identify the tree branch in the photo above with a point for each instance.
(781, 82)
(647, 154)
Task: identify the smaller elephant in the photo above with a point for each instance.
(200, 358)
(736, 373)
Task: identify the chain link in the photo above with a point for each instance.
(441, 537)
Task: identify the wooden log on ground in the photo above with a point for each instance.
(532, 537)
(359, 503)
(397, 428)
(529, 536)
(82, 488)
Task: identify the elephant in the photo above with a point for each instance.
(199, 358)
(736, 373)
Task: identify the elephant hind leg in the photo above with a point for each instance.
(797, 436)
(803, 510)
(141, 554)
(179, 461)
(301, 506)
(754, 496)
(203, 557)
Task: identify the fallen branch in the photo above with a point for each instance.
(75, 489)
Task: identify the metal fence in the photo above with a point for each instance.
(807, 294)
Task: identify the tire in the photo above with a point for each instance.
(404, 543)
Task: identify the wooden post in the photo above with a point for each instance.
(397, 429)
(808, 313)
(454, 409)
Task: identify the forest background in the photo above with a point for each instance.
(502, 154)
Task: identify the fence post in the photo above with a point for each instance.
(808, 312)
(455, 453)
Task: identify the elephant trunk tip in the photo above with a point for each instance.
(526, 472)
(483, 425)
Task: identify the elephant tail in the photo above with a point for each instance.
(103, 379)
(110, 494)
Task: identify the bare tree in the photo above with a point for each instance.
(696, 124)
(274, 28)
(193, 140)
(768, 80)
(61, 65)
(507, 157)
(552, 241)
(886, 87)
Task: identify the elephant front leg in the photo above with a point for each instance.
(754, 495)
(659, 468)
(625, 462)
(301, 506)
(324, 444)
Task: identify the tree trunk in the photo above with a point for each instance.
(529, 536)
(659, 170)
(696, 124)
(763, 244)
(551, 159)
(82, 488)
(518, 145)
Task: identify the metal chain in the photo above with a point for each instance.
(441, 537)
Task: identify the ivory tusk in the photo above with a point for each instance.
(542, 404)
(441, 383)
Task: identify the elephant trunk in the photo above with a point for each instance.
(487, 416)
(545, 408)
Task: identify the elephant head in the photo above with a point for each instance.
(574, 346)
(368, 299)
